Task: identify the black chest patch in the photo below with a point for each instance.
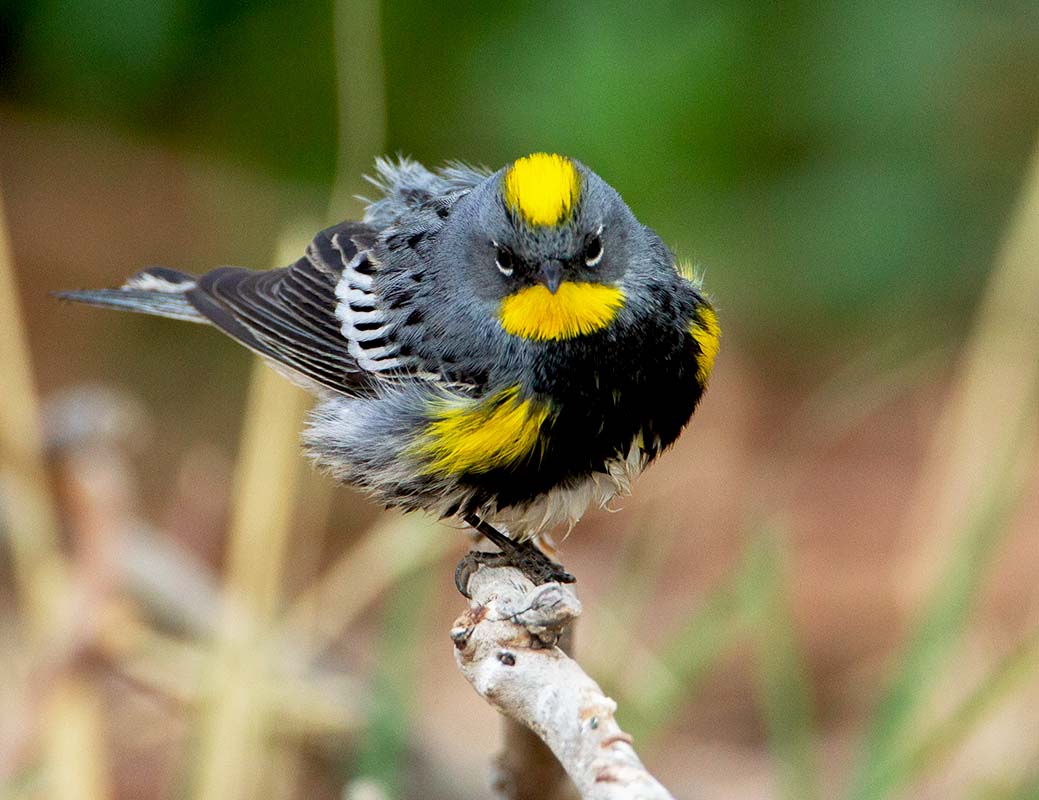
(607, 392)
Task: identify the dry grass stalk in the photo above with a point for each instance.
(236, 725)
(993, 395)
(58, 704)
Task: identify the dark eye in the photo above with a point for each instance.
(593, 251)
(504, 260)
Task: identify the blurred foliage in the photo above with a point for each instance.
(833, 167)
(941, 626)
(383, 752)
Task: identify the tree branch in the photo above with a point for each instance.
(506, 648)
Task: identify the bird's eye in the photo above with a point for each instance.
(504, 260)
(593, 251)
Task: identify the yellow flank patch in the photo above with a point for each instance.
(705, 332)
(481, 435)
(574, 310)
(542, 188)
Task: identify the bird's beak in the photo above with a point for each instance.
(551, 275)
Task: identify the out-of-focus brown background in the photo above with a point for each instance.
(828, 589)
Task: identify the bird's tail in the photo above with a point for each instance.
(156, 290)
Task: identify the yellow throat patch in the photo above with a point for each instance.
(542, 188)
(576, 309)
(705, 332)
(480, 435)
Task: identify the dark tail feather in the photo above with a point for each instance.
(157, 291)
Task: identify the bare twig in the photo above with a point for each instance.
(506, 648)
(526, 768)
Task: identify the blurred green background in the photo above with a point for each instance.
(828, 164)
(827, 589)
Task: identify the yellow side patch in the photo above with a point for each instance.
(481, 435)
(542, 188)
(576, 309)
(705, 332)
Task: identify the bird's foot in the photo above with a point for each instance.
(524, 556)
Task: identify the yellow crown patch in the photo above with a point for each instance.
(542, 188)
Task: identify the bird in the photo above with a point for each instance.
(506, 348)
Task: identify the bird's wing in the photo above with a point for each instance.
(291, 312)
(287, 315)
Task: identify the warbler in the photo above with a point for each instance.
(504, 347)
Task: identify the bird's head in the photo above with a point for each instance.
(548, 244)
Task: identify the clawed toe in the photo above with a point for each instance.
(471, 562)
(540, 568)
(524, 556)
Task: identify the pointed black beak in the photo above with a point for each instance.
(551, 275)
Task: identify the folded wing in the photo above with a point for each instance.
(287, 315)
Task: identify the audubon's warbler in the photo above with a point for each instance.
(506, 347)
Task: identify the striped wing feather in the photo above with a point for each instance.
(288, 314)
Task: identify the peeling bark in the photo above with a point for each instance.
(506, 647)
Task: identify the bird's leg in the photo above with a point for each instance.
(524, 556)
